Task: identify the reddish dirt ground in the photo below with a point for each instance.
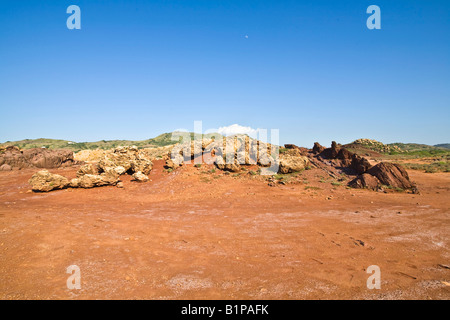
(190, 234)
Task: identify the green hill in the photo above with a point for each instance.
(443, 145)
(159, 141)
(412, 149)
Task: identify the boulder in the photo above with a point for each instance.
(94, 180)
(391, 174)
(140, 177)
(126, 159)
(44, 181)
(5, 167)
(384, 174)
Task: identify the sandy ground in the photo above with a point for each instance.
(190, 234)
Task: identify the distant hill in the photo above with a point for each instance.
(443, 145)
(397, 148)
(159, 141)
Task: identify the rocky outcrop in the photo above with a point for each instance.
(185, 152)
(341, 157)
(318, 148)
(44, 181)
(240, 148)
(104, 173)
(99, 154)
(46, 158)
(15, 158)
(330, 153)
(368, 176)
(191, 149)
(360, 164)
(377, 146)
(344, 154)
(130, 158)
(121, 160)
(345, 157)
(302, 150)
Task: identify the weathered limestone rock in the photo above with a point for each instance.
(140, 177)
(44, 181)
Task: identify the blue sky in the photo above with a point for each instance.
(311, 69)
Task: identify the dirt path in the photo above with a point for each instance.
(191, 234)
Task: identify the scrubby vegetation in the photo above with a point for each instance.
(398, 150)
(162, 140)
(438, 166)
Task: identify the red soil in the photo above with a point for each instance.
(193, 235)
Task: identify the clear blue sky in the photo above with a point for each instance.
(309, 68)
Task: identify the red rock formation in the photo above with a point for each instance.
(318, 148)
(360, 164)
(391, 174)
(384, 174)
(14, 158)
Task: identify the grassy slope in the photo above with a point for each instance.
(411, 155)
(159, 141)
(404, 149)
